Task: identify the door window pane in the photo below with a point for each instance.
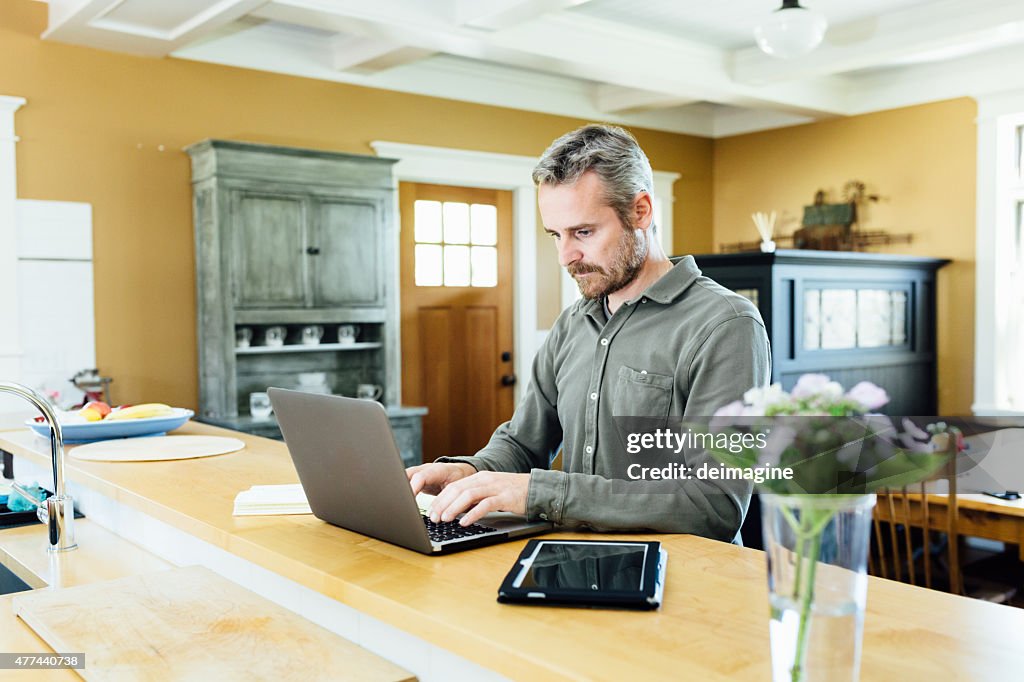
(429, 266)
(456, 266)
(427, 225)
(485, 266)
(456, 222)
(484, 224)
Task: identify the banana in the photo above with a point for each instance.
(141, 411)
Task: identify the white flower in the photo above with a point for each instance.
(810, 385)
(733, 409)
(867, 394)
(761, 397)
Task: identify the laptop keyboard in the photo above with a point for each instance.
(451, 530)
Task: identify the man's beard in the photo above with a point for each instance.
(625, 266)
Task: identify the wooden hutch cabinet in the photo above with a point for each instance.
(287, 239)
(852, 316)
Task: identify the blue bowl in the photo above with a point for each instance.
(120, 428)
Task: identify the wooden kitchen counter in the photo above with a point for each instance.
(713, 625)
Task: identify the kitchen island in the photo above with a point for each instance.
(437, 616)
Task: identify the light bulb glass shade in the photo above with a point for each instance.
(791, 31)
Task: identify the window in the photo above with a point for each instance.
(456, 244)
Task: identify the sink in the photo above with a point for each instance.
(11, 583)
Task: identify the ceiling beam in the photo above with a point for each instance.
(372, 55)
(616, 99)
(890, 37)
(495, 15)
(89, 22)
(575, 46)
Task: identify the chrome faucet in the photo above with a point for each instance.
(59, 512)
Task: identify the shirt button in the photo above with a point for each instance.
(643, 300)
(589, 449)
(604, 342)
(593, 396)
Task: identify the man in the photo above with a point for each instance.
(651, 338)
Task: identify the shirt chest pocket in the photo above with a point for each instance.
(642, 394)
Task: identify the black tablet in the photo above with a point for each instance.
(594, 573)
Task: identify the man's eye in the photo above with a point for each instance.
(582, 233)
(553, 235)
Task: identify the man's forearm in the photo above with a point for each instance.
(712, 509)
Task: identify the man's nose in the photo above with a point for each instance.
(567, 253)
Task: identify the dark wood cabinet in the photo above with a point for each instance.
(852, 316)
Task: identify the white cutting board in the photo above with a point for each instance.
(191, 624)
(156, 448)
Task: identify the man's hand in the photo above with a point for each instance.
(432, 478)
(481, 494)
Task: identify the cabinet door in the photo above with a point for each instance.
(347, 265)
(270, 250)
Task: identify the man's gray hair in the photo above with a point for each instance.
(612, 153)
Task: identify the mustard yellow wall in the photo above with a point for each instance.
(94, 126)
(921, 160)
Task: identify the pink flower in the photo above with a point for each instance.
(867, 394)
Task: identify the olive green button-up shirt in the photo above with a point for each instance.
(684, 348)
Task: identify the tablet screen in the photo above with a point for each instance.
(586, 566)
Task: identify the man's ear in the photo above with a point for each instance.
(643, 210)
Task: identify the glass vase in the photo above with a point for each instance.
(817, 552)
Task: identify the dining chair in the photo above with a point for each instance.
(909, 531)
(917, 538)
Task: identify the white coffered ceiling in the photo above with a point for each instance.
(679, 65)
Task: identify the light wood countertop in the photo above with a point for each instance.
(713, 625)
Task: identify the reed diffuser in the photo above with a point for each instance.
(765, 224)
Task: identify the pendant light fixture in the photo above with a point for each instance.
(791, 30)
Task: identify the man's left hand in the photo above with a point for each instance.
(480, 494)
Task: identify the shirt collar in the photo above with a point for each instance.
(667, 289)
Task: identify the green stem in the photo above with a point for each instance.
(806, 599)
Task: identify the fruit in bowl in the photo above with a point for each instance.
(94, 411)
(143, 411)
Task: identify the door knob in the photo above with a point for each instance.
(508, 379)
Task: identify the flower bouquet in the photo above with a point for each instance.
(817, 518)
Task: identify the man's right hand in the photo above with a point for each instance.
(432, 478)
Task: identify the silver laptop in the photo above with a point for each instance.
(353, 476)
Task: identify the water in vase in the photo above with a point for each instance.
(833, 642)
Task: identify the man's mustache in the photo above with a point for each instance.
(584, 269)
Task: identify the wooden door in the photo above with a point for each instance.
(456, 322)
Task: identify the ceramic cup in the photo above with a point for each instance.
(369, 391)
(243, 337)
(347, 334)
(274, 336)
(259, 405)
(312, 334)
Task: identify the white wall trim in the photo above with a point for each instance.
(998, 116)
(10, 340)
(463, 168)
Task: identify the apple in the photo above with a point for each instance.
(94, 410)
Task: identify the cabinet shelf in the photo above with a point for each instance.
(301, 348)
